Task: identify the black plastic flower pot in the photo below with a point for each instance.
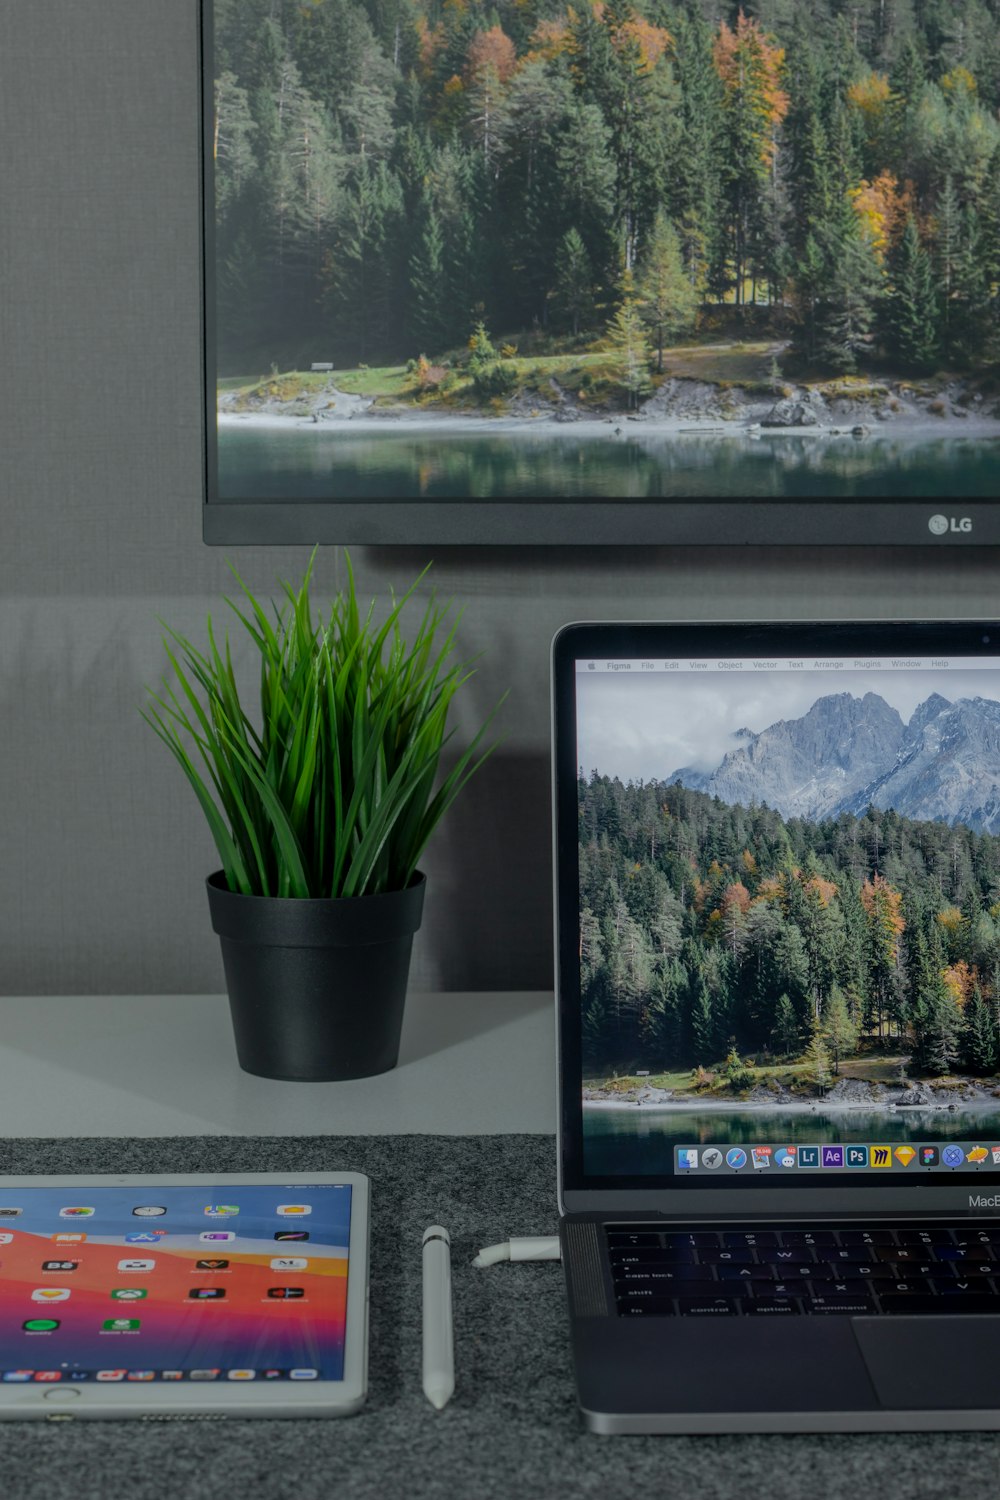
(316, 987)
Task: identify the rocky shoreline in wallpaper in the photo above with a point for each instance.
(757, 933)
(950, 1095)
(681, 405)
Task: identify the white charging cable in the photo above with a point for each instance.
(540, 1247)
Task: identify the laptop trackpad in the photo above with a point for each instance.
(935, 1362)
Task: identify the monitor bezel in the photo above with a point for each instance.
(670, 1192)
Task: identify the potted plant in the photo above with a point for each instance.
(320, 811)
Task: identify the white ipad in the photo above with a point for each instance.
(201, 1296)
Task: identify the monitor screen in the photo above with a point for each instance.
(787, 961)
(625, 271)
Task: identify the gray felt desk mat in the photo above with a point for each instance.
(511, 1430)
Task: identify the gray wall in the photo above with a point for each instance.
(102, 849)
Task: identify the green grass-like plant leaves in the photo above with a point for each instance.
(339, 791)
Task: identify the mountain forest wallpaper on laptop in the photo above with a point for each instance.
(789, 910)
(455, 246)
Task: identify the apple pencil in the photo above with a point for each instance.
(439, 1352)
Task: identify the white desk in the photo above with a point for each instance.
(164, 1065)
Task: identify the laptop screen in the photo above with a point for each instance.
(786, 960)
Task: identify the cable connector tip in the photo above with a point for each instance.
(533, 1247)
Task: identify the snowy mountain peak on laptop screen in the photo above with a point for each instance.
(790, 917)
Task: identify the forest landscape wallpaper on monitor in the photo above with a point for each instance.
(487, 250)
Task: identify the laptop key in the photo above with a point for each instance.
(716, 1257)
(715, 1308)
(796, 1271)
(648, 1275)
(925, 1237)
(958, 1288)
(650, 1255)
(677, 1270)
(839, 1304)
(903, 1253)
(795, 1237)
(692, 1290)
(866, 1237)
(762, 1238)
(873, 1271)
(626, 1237)
(843, 1252)
(662, 1307)
(981, 1237)
(772, 1306)
(908, 1288)
(695, 1238)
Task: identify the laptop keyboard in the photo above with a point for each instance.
(787, 1271)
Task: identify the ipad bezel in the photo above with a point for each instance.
(157, 1401)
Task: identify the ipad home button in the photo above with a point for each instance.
(62, 1393)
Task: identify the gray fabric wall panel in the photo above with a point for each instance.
(102, 849)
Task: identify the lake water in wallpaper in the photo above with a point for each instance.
(642, 1140)
(446, 463)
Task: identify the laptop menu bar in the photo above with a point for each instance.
(641, 666)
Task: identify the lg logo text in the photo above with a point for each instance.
(939, 525)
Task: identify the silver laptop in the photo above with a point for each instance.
(778, 978)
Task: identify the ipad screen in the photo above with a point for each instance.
(175, 1283)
